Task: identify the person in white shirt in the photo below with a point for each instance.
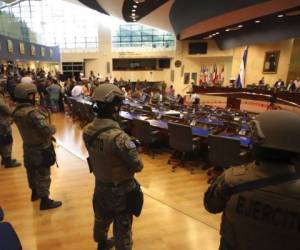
(194, 96)
(27, 78)
(125, 93)
(77, 90)
(297, 82)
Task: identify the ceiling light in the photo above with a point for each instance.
(217, 33)
(257, 21)
(133, 10)
(241, 26)
(227, 30)
(213, 34)
(133, 14)
(281, 15)
(134, 6)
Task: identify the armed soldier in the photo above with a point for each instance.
(261, 201)
(6, 139)
(39, 154)
(114, 159)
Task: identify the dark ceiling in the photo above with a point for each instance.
(93, 4)
(143, 8)
(185, 13)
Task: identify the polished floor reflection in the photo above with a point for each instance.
(173, 215)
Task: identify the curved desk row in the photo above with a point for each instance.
(197, 131)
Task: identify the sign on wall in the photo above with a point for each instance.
(10, 46)
(32, 49)
(22, 48)
(43, 51)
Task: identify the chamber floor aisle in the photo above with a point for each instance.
(173, 215)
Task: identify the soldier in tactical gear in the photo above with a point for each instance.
(6, 139)
(113, 159)
(39, 154)
(261, 201)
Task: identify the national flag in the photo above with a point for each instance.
(240, 81)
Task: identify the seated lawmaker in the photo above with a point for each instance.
(291, 86)
(179, 100)
(279, 84)
(261, 82)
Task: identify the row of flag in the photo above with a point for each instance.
(214, 74)
(211, 74)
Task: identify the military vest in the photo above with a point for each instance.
(5, 117)
(265, 218)
(106, 164)
(31, 136)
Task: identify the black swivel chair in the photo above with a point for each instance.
(224, 152)
(75, 111)
(86, 114)
(8, 236)
(145, 134)
(1, 214)
(182, 141)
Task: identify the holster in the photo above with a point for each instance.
(49, 156)
(135, 200)
(37, 158)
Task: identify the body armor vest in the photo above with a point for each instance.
(32, 137)
(107, 165)
(5, 118)
(262, 219)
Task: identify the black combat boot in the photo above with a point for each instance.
(47, 203)
(34, 195)
(107, 244)
(10, 163)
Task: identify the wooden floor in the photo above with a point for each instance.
(173, 215)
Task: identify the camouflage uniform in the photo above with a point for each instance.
(37, 135)
(114, 160)
(5, 129)
(262, 219)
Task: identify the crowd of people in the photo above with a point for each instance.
(291, 86)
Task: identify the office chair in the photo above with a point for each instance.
(86, 114)
(75, 112)
(8, 237)
(1, 214)
(224, 152)
(182, 141)
(68, 104)
(145, 134)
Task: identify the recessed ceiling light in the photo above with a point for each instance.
(241, 26)
(213, 34)
(257, 21)
(217, 33)
(227, 30)
(133, 10)
(281, 15)
(134, 6)
(133, 14)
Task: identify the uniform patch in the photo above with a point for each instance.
(130, 144)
